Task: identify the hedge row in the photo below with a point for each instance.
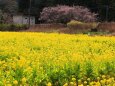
(12, 27)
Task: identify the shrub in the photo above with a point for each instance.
(80, 26)
(64, 14)
(12, 27)
(21, 27)
(4, 27)
(5, 18)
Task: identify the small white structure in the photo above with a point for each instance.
(20, 19)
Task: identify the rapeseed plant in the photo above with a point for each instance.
(40, 59)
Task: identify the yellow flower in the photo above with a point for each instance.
(80, 85)
(98, 78)
(85, 82)
(112, 79)
(49, 84)
(4, 81)
(102, 82)
(91, 83)
(103, 76)
(75, 84)
(88, 79)
(108, 81)
(15, 82)
(24, 80)
(79, 82)
(73, 79)
(66, 84)
(98, 84)
(71, 83)
(9, 85)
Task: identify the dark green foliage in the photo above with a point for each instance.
(89, 69)
(9, 6)
(12, 27)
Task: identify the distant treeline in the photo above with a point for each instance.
(105, 8)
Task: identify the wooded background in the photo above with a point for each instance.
(105, 8)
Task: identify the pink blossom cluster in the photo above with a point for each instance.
(64, 14)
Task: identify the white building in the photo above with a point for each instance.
(21, 19)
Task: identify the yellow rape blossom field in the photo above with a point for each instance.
(51, 59)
